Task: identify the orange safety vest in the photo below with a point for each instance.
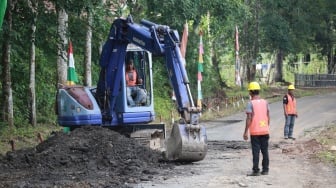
(291, 105)
(131, 82)
(259, 125)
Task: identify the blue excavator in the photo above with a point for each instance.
(106, 104)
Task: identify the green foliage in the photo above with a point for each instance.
(172, 13)
(162, 90)
(164, 107)
(265, 26)
(228, 72)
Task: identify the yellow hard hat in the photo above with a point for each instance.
(253, 86)
(291, 86)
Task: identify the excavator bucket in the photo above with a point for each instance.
(187, 143)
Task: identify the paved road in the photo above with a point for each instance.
(313, 111)
(222, 168)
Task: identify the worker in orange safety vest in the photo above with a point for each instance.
(135, 94)
(258, 123)
(289, 106)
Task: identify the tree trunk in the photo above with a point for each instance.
(243, 71)
(331, 61)
(251, 47)
(32, 93)
(62, 54)
(252, 70)
(7, 98)
(256, 39)
(88, 50)
(217, 71)
(278, 67)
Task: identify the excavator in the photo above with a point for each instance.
(106, 104)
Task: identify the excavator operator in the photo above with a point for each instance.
(135, 95)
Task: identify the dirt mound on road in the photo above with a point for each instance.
(87, 157)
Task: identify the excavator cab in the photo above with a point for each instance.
(141, 108)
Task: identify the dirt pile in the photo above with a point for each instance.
(87, 157)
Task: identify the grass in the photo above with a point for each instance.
(24, 137)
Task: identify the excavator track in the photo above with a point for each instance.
(152, 138)
(150, 135)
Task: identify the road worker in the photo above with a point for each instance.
(289, 106)
(257, 123)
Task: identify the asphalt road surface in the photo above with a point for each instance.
(229, 158)
(313, 111)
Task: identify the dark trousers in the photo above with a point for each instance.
(260, 143)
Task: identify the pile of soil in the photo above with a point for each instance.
(86, 157)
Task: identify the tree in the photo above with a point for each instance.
(323, 19)
(33, 4)
(63, 41)
(288, 27)
(85, 13)
(251, 38)
(88, 48)
(7, 98)
(278, 27)
(277, 32)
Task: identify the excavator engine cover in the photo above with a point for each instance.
(186, 143)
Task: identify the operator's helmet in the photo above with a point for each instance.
(291, 87)
(253, 86)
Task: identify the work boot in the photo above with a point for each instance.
(254, 174)
(292, 138)
(264, 173)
